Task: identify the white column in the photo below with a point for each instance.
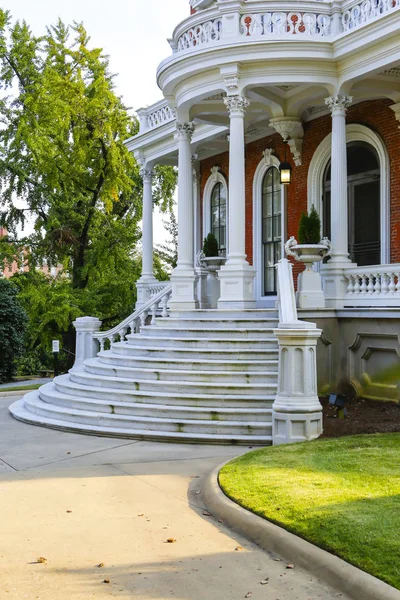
(183, 277)
(334, 281)
(147, 276)
(236, 276)
(339, 213)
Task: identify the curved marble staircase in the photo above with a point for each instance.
(201, 376)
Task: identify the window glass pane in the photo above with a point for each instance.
(271, 227)
(222, 213)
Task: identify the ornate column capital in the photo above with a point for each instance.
(185, 131)
(236, 105)
(146, 174)
(338, 104)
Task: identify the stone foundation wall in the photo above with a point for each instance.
(359, 356)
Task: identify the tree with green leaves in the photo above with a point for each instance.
(12, 329)
(63, 152)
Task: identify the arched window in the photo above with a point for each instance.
(364, 203)
(218, 216)
(271, 228)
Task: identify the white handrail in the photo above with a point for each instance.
(138, 318)
(288, 318)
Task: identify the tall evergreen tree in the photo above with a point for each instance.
(12, 329)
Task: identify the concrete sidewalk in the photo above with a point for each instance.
(81, 501)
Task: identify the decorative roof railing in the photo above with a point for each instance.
(241, 22)
(154, 116)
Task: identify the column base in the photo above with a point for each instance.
(335, 283)
(237, 286)
(309, 290)
(290, 428)
(184, 296)
(143, 290)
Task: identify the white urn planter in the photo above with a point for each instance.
(212, 264)
(309, 285)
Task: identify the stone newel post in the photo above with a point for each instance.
(86, 346)
(297, 412)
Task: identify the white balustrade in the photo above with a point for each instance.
(203, 33)
(373, 286)
(249, 22)
(160, 116)
(285, 23)
(156, 305)
(366, 11)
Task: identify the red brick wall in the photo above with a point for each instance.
(374, 114)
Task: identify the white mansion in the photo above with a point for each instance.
(222, 356)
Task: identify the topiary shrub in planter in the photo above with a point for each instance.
(210, 246)
(310, 227)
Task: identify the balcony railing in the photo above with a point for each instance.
(154, 116)
(373, 286)
(261, 19)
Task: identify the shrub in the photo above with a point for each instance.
(310, 227)
(12, 329)
(210, 245)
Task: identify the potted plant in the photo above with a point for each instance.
(210, 257)
(211, 261)
(311, 249)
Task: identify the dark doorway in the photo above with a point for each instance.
(364, 204)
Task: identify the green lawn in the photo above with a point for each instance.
(21, 388)
(341, 494)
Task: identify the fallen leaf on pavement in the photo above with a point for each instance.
(101, 565)
(69, 511)
(249, 595)
(290, 566)
(106, 581)
(238, 548)
(264, 581)
(207, 514)
(171, 540)
(41, 559)
(142, 515)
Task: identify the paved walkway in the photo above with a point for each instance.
(82, 501)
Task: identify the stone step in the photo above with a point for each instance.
(173, 331)
(187, 364)
(178, 387)
(171, 352)
(83, 417)
(221, 343)
(64, 385)
(22, 410)
(203, 323)
(258, 314)
(95, 367)
(50, 395)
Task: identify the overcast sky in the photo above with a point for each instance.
(132, 32)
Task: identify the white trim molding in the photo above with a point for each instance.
(268, 161)
(215, 177)
(354, 133)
